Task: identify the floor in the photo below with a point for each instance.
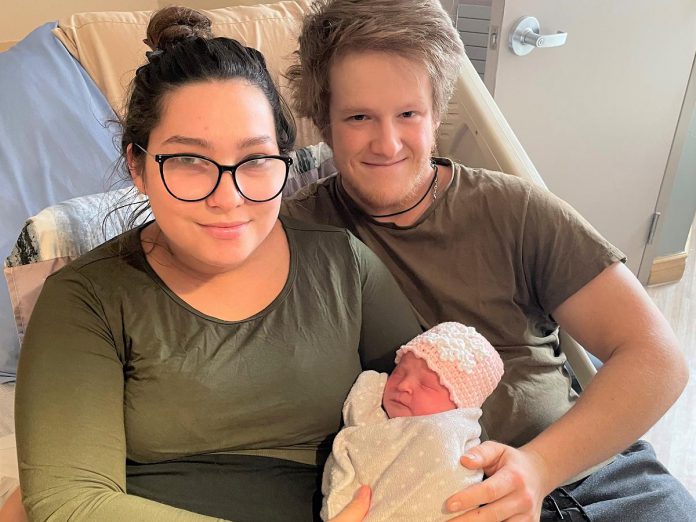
(674, 436)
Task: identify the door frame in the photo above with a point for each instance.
(667, 186)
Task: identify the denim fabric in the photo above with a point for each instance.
(633, 488)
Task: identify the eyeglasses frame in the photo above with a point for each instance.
(232, 169)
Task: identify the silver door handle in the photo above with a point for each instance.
(525, 37)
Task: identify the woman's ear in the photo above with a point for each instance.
(133, 169)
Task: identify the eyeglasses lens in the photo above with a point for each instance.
(193, 178)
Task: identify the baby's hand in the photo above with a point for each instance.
(358, 507)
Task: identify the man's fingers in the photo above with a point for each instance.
(483, 456)
(507, 508)
(471, 460)
(490, 490)
(511, 492)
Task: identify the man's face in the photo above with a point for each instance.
(381, 129)
(414, 389)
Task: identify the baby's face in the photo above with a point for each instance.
(414, 389)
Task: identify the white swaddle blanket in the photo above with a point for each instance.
(411, 463)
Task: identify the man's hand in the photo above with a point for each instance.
(514, 490)
(358, 507)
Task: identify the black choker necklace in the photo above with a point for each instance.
(433, 183)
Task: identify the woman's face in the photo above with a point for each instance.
(227, 121)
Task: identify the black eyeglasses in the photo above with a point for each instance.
(191, 177)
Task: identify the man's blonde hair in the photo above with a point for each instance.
(418, 30)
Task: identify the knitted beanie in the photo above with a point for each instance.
(468, 366)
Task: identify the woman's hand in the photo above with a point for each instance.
(358, 507)
(514, 489)
(13, 510)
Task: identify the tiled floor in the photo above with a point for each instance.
(674, 436)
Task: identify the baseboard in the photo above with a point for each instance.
(668, 269)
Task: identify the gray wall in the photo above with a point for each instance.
(682, 203)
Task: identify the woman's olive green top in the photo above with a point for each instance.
(116, 366)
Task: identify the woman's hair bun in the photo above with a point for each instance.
(173, 24)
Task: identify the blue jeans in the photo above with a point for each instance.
(633, 488)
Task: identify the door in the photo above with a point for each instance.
(597, 115)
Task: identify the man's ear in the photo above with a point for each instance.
(436, 135)
(436, 127)
(133, 169)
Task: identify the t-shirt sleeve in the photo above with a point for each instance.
(388, 320)
(561, 251)
(69, 413)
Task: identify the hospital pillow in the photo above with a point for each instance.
(110, 47)
(54, 145)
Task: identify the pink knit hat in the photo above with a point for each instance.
(467, 364)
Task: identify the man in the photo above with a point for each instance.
(494, 252)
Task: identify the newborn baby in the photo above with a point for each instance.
(404, 433)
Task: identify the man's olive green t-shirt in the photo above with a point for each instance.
(494, 252)
(116, 366)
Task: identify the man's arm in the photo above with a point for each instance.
(644, 372)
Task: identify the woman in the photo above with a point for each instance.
(197, 364)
